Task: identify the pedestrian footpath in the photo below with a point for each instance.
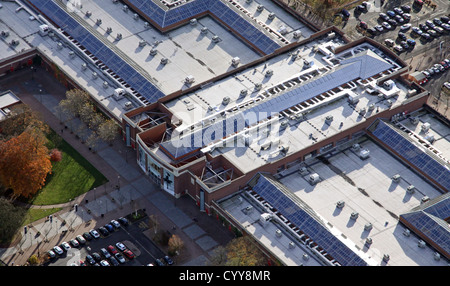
(128, 189)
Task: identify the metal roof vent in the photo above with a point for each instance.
(421, 244)
(407, 233)
(368, 226)
(305, 256)
(278, 233)
(94, 75)
(291, 245)
(83, 66)
(5, 34)
(215, 39)
(248, 1)
(189, 79)
(258, 86)
(369, 241)
(109, 30)
(105, 84)
(437, 256)
(297, 34)
(193, 22)
(98, 22)
(14, 42)
(260, 8)
(226, 100)
(142, 43)
(204, 30)
(386, 257)
(135, 16)
(146, 25)
(364, 154)
(164, 61)
(115, 1)
(119, 36)
(355, 147)
(59, 46)
(271, 16)
(328, 119)
(248, 209)
(269, 73)
(71, 54)
(235, 61)
(283, 124)
(125, 8)
(340, 204)
(88, 14)
(396, 178)
(354, 215)
(410, 189)
(424, 199)
(153, 52)
(243, 93)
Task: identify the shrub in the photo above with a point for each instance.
(55, 155)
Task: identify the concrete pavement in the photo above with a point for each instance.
(100, 205)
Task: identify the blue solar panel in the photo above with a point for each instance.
(304, 219)
(413, 154)
(97, 48)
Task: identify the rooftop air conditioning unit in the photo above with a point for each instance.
(284, 124)
(414, 120)
(248, 209)
(264, 219)
(407, 233)
(371, 107)
(235, 61)
(215, 39)
(340, 204)
(258, 86)
(354, 215)
(437, 256)
(305, 256)
(369, 241)
(410, 189)
(98, 22)
(146, 25)
(59, 46)
(396, 178)
(331, 35)
(204, 30)
(119, 93)
(153, 52)
(297, 34)
(88, 14)
(135, 16)
(243, 93)
(426, 126)
(303, 170)
(189, 79)
(118, 36)
(314, 178)
(94, 75)
(368, 226)
(271, 16)
(105, 84)
(226, 100)
(125, 8)
(84, 66)
(291, 245)
(128, 105)
(193, 22)
(5, 34)
(142, 43)
(283, 30)
(386, 257)
(364, 154)
(328, 119)
(43, 30)
(362, 111)
(260, 8)
(109, 30)
(72, 54)
(269, 73)
(389, 84)
(356, 147)
(14, 42)
(424, 199)
(164, 61)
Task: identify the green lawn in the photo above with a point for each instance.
(70, 177)
(33, 215)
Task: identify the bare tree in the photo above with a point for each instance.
(108, 131)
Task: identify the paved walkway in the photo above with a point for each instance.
(199, 232)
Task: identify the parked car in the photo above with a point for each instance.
(363, 25)
(426, 74)
(119, 257)
(379, 28)
(128, 253)
(423, 27)
(65, 246)
(425, 36)
(51, 254)
(105, 253)
(74, 243)
(123, 221)
(430, 24)
(120, 246)
(392, 22)
(386, 26)
(113, 261)
(90, 259)
(97, 257)
(406, 8)
(445, 19)
(439, 30)
(384, 16)
(80, 239)
(112, 249)
(115, 224)
(345, 13)
(372, 31)
(398, 11)
(417, 30)
(411, 43)
(87, 236)
(389, 42)
(407, 17)
(168, 260)
(103, 231)
(437, 21)
(104, 263)
(158, 262)
(404, 45)
(94, 233)
(109, 227)
(391, 13)
(447, 84)
(405, 27)
(399, 19)
(398, 49)
(433, 33)
(402, 36)
(446, 27)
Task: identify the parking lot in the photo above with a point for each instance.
(144, 250)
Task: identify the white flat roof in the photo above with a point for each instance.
(366, 188)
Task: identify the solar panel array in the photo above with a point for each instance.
(412, 153)
(430, 221)
(301, 218)
(99, 49)
(347, 71)
(218, 9)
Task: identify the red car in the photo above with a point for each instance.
(128, 254)
(112, 249)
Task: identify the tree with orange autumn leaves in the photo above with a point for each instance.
(24, 163)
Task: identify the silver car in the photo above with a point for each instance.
(58, 250)
(94, 233)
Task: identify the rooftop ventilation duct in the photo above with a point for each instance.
(193, 22)
(164, 61)
(260, 8)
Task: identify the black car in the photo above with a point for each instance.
(123, 221)
(426, 36)
(114, 261)
(398, 11)
(168, 260)
(372, 31)
(384, 16)
(445, 19)
(87, 236)
(423, 27)
(402, 36)
(96, 256)
(437, 21)
(406, 8)
(392, 22)
(433, 33)
(103, 231)
(399, 19)
(90, 259)
(159, 262)
(404, 45)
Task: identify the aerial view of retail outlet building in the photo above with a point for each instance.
(172, 132)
